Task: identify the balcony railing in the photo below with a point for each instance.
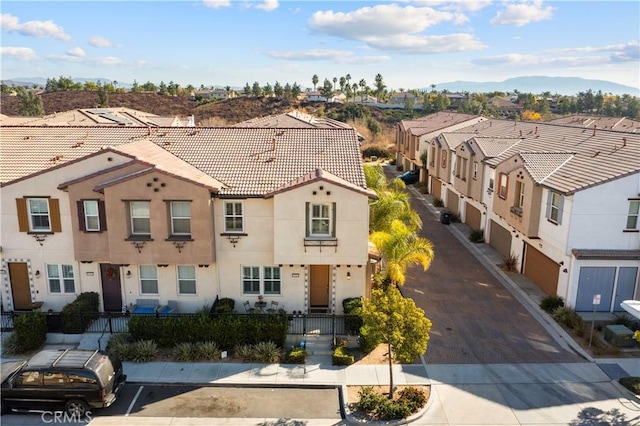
(516, 210)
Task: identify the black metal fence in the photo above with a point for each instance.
(110, 323)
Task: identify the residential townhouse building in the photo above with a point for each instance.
(184, 215)
(563, 199)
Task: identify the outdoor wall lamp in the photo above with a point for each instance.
(128, 274)
(37, 274)
(348, 275)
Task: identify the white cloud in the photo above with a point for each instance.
(76, 51)
(268, 5)
(20, 53)
(217, 4)
(39, 29)
(381, 20)
(108, 61)
(407, 43)
(519, 60)
(97, 41)
(618, 52)
(523, 14)
(338, 56)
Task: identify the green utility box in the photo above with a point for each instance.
(619, 335)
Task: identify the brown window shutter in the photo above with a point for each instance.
(102, 213)
(23, 216)
(81, 224)
(54, 212)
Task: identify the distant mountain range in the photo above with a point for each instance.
(540, 84)
(532, 84)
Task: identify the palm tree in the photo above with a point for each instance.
(401, 247)
(335, 80)
(379, 87)
(362, 84)
(355, 91)
(348, 78)
(315, 81)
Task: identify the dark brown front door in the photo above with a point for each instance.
(111, 291)
(319, 286)
(19, 277)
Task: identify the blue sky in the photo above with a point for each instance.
(412, 44)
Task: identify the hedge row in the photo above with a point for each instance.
(74, 315)
(228, 331)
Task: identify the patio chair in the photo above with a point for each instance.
(273, 308)
(170, 308)
(247, 307)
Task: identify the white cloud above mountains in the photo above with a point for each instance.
(523, 13)
(39, 29)
(19, 53)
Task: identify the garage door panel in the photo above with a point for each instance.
(542, 270)
(436, 188)
(473, 217)
(452, 202)
(595, 280)
(499, 238)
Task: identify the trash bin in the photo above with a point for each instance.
(445, 217)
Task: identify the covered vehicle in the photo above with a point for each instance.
(410, 176)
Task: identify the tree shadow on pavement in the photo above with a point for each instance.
(592, 416)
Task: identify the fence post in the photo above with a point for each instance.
(110, 325)
(304, 323)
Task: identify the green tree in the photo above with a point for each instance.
(343, 82)
(379, 86)
(247, 89)
(103, 96)
(335, 80)
(363, 86)
(256, 90)
(149, 87)
(267, 90)
(30, 103)
(315, 81)
(441, 102)
(401, 247)
(295, 90)
(287, 91)
(278, 90)
(327, 89)
(354, 88)
(162, 88)
(391, 319)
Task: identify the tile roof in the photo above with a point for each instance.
(492, 147)
(621, 124)
(437, 121)
(541, 165)
(246, 162)
(599, 155)
(324, 176)
(606, 254)
(120, 116)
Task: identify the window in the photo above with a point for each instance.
(632, 218)
(269, 283)
(475, 170)
(82, 379)
(28, 379)
(233, 216)
(39, 214)
(463, 169)
(186, 279)
(433, 155)
(504, 180)
(444, 159)
(140, 221)
(180, 218)
(272, 280)
(250, 280)
(91, 215)
(458, 166)
(554, 207)
(320, 220)
(519, 201)
(60, 278)
(53, 379)
(148, 279)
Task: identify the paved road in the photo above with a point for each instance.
(476, 320)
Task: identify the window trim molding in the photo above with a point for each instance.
(30, 215)
(157, 279)
(506, 186)
(309, 234)
(241, 216)
(171, 219)
(629, 215)
(131, 217)
(61, 278)
(195, 281)
(261, 280)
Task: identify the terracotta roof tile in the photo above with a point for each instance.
(606, 254)
(437, 121)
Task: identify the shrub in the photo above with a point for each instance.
(366, 343)
(437, 202)
(375, 151)
(144, 351)
(184, 352)
(123, 350)
(11, 345)
(297, 355)
(567, 317)
(369, 399)
(352, 307)
(413, 398)
(267, 352)
(510, 263)
(410, 400)
(246, 352)
(551, 303)
(119, 338)
(207, 351)
(476, 236)
(77, 315)
(389, 410)
(341, 356)
(30, 330)
(225, 305)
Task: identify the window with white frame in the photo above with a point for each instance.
(519, 201)
(148, 279)
(269, 282)
(61, 279)
(233, 217)
(140, 219)
(180, 218)
(186, 279)
(39, 219)
(554, 207)
(91, 215)
(320, 220)
(458, 166)
(504, 181)
(251, 280)
(632, 217)
(272, 279)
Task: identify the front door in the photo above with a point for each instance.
(319, 283)
(111, 291)
(19, 277)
